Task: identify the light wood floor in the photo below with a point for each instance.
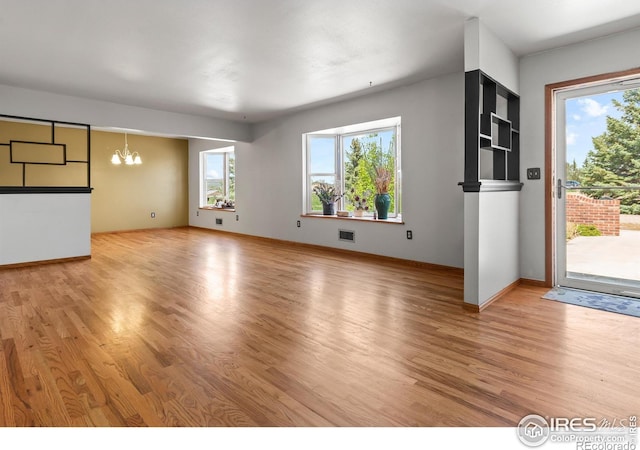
(189, 327)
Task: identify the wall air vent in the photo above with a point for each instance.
(346, 235)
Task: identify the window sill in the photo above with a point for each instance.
(212, 208)
(392, 220)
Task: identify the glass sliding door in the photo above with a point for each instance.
(597, 187)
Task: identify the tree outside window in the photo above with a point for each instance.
(217, 176)
(349, 161)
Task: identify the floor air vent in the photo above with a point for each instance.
(346, 235)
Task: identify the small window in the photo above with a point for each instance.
(322, 165)
(217, 178)
(347, 158)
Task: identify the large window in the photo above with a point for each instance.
(349, 158)
(217, 178)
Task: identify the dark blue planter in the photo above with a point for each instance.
(382, 202)
(329, 209)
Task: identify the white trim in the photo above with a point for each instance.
(338, 134)
(560, 277)
(225, 151)
(360, 127)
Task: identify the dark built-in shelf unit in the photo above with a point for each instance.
(492, 135)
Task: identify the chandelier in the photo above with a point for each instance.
(125, 155)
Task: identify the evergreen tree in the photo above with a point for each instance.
(574, 172)
(615, 157)
(354, 156)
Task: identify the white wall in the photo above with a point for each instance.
(40, 227)
(44, 105)
(498, 256)
(483, 50)
(490, 241)
(471, 247)
(610, 54)
(269, 176)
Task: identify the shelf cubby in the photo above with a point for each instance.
(492, 135)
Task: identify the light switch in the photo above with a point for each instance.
(533, 173)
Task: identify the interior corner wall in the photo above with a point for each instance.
(269, 178)
(599, 56)
(491, 227)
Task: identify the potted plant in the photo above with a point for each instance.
(382, 179)
(328, 195)
(359, 203)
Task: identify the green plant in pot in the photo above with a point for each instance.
(328, 195)
(382, 179)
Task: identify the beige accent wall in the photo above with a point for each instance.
(51, 171)
(125, 196)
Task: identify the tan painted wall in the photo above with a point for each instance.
(125, 196)
(52, 170)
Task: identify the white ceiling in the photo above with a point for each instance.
(256, 59)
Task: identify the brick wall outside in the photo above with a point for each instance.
(604, 214)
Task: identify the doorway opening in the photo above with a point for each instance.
(596, 185)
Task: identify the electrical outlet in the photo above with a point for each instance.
(409, 234)
(298, 224)
(197, 213)
(533, 173)
(237, 217)
(218, 221)
(153, 215)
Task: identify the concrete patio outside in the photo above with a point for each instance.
(608, 256)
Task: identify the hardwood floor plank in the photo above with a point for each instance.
(188, 327)
(7, 414)
(46, 399)
(18, 394)
(306, 396)
(121, 398)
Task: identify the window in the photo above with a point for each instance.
(217, 178)
(347, 158)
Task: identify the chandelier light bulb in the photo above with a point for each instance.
(126, 155)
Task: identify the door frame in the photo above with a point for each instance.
(549, 156)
